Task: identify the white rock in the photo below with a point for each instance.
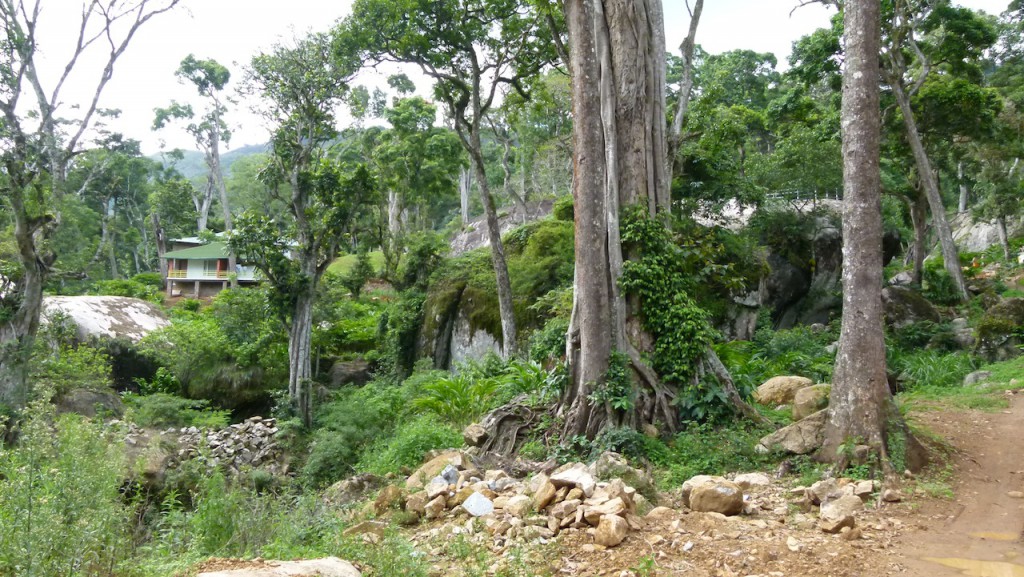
(477, 505)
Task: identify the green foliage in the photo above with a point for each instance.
(547, 344)
(164, 409)
(704, 449)
(358, 276)
(457, 398)
(680, 328)
(924, 334)
(788, 233)
(129, 288)
(61, 511)
(617, 388)
(399, 329)
(406, 448)
(937, 286)
(563, 209)
(70, 367)
(347, 425)
(925, 369)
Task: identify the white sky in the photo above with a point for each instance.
(232, 31)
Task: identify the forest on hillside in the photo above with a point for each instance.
(577, 242)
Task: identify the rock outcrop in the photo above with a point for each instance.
(802, 437)
(780, 390)
(106, 316)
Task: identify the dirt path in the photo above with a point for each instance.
(979, 533)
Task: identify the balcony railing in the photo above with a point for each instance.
(243, 273)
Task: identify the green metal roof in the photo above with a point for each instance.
(213, 251)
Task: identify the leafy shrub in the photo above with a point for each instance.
(932, 369)
(129, 288)
(563, 209)
(69, 368)
(152, 279)
(937, 285)
(360, 274)
(163, 409)
(353, 420)
(547, 344)
(409, 444)
(61, 511)
(703, 449)
(457, 398)
(163, 381)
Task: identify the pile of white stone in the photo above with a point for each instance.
(249, 444)
(570, 498)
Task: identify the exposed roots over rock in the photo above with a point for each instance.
(506, 426)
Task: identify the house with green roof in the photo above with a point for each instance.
(200, 269)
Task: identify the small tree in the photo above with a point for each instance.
(301, 88)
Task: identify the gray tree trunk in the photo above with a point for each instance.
(686, 49)
(964, 190)
(465, 184)
(859, 398)
(950, 254)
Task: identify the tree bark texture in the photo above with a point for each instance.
(620, 160)
(859, 398)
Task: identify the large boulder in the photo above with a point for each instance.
(116, 324)
(326, 567)
(90, 403)
(780, 390)
(905, 306)
(810, 400)
(800, 438)
(356, 372)
(107, 317)
(720, 496)
(998, 330)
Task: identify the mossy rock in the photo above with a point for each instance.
(999, 332)
(904, 306)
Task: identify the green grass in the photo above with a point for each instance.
(343, 264)
(985, 396)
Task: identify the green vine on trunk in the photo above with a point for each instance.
(681, 331)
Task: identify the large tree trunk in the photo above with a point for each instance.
(617, 54)
(620, 160)
(950, 254)
(858, 405)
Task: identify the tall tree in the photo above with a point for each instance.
(617, 54)
(38, 143)
(209, 131)
(471, 49)
(859, 401)
(958, 37)
(301, 88)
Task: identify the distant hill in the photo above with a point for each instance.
(193, 167)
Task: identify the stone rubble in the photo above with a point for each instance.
(249, 444)
(505, 512)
